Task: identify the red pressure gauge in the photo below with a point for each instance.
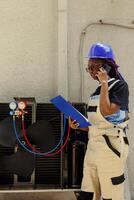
(21, 105)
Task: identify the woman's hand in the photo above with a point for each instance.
(102, 75)
(73, 123)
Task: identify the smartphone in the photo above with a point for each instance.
(107, 67)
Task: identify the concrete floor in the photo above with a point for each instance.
(38, 196)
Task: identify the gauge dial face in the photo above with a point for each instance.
(21, 105)
(13, 105)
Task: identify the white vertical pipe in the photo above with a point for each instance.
(62, 49)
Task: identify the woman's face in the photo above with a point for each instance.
(93, 67)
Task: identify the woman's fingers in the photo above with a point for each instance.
(69, 119)
(73, 123)
(102, 69)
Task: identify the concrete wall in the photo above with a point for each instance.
(29, 46)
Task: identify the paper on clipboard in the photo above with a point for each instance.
(69, 110)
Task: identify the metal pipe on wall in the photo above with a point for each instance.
(62, 48)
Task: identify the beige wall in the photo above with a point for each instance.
(29, 46)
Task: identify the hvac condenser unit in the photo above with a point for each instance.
(60, 171)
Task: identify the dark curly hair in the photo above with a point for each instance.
(114, 73)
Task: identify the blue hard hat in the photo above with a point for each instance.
(100, 50)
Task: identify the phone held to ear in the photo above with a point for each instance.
(107, 67)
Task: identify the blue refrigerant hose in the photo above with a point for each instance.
(36, 153)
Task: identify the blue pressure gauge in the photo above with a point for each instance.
(13, 105)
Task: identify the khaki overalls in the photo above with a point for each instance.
(105, 157)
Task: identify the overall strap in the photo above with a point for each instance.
(110, 87)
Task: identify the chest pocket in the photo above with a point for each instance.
(92, 110)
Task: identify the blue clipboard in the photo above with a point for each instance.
(68, 110)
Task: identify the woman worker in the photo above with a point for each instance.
(107, 149)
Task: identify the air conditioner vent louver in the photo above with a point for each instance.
(47, 169)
